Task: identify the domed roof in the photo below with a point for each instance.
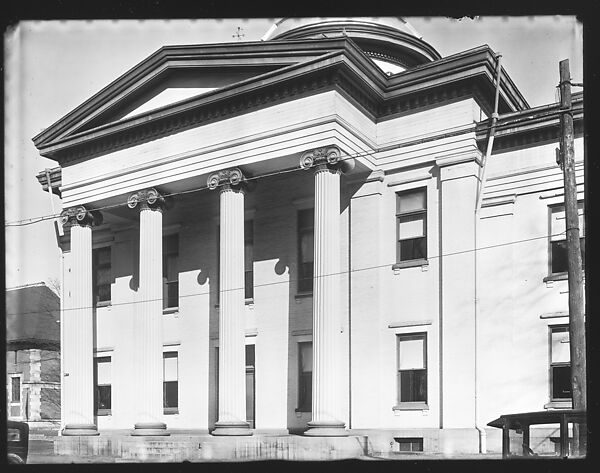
(391, 42)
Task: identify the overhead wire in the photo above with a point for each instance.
(414, 140)
(344, 272)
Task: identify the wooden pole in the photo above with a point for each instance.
(576, 308)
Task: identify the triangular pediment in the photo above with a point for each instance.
(174, 75)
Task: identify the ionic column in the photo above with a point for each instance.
(148, 375)
(326, 385)
(232, 365)
(78, 343)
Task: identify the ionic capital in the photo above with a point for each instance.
(328, 157)
(147, 198)
(81, 216)
(228, 179)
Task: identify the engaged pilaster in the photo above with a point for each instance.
(326, 385)
(148, 316)
(77, 343)
(232, 366)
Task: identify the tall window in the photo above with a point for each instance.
(170, 383)
(15, 388)
(101, 275)
(248, 259)
(558, 238)
(306, 237)
(412, 368)
(411, 219)
(102, 385)
(171, 271)
(305, 376)
(560, 363)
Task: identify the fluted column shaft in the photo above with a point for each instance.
(326, 397)
(78, 344)
(232, 366)
(148, 326)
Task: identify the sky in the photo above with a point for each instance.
(51, 67)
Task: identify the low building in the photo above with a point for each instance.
(33, 355)
(281, 237)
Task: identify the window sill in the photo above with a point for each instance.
(170, 310)
(169, 411)
(558, 405)
(104, 413)
(556, 277)
(411, 406)
(103, 304)
(303, 295)
(559, 277)
(249, 301)
(423, 262)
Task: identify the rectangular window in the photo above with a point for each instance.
(306, 237)
(102, 385)
(409, 444)
(16, 389)
(101, 275)
(170, 383)
(560, 363)
(411, 224)
(171, 271)
(249, 259)
(305, 376)
(412, 368)
(558, 238)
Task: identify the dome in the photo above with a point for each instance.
(390, 42)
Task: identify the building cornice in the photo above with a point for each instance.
(346, 69)
(535, 125)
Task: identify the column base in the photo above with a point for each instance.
(326, 429)
(143, 429)
(232, 429)
(80, 429)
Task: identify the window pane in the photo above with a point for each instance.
(305, 283)
(103, 397)
(307, 247)
(306, 357)
(413, 386)
(103, 370)
(561, 382)
(170, 366)
(306, 218)
(171, 244)
(411, 201)
(103, 276)
(250, 355)
(411, 354)
(411, 226)
(560, 345)
(249, 284)
(103, 255)
(415, 248)
(170, 389)
(558, 222)
(16, 389)
(559, 257)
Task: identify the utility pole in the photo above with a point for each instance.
(576, 308)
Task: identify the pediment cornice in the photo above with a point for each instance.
(340, 66)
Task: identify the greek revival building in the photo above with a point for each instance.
(282, 237)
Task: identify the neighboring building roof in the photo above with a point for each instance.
(32, 315)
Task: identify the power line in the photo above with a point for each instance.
(366, 268)
(413, 141)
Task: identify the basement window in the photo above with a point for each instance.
(409, 444)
